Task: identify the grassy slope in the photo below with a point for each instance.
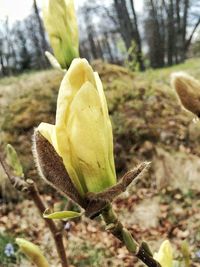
(143, 108)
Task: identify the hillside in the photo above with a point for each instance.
(143, 108)
(148, 124)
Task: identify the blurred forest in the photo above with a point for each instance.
(166, 33)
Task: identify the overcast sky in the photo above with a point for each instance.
(19, 9)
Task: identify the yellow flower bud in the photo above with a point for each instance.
(82, 134)
(165, 256)
(188, 90)
(32, 252)
(61, 24)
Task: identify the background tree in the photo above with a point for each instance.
(129, 28)
(170, 26)
(155, 33)
(166, 31)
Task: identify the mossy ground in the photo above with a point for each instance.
(148, 124)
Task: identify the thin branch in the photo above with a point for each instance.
(114, 226)
(192, 34)
(57, 234)
(111, 16)
(29, 187)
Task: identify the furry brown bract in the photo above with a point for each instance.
(188, 90)
(51, 168)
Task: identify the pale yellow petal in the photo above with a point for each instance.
(99, 86)
(107, 121)
(48, 131)
(165, 254)
(79, 72)
(88, 142)
(64, 152)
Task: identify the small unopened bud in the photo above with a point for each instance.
(185, 249)
(61, 25)
(33, 252)
(13, 161)
(129, 241)
(188, 90)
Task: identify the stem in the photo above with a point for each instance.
(57, 234)
(29, 187)
(121, 233)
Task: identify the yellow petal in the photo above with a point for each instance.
(88, 140)
(53, 61)
(79, 72)
(101, 94)
(107, 122)
(165, 254)
(48, 131)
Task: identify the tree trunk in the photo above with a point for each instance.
(126, 27)
(188, 41)
(128, 30)
(3, 69)
(137, 38)
(184, 27)
(107, 44)
(44, 45)
(155, 35)
(170, 30)
(41, 28)
(92, 42)
(178, 37)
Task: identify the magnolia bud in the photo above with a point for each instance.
(82, 135)
(61, 24)
(188, 90)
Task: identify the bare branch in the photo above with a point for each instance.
(29, 187)
(192, 34)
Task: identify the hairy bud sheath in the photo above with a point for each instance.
(61, 25)
(188, 90)
(13, 161)
(52, 169)
(82, 134)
